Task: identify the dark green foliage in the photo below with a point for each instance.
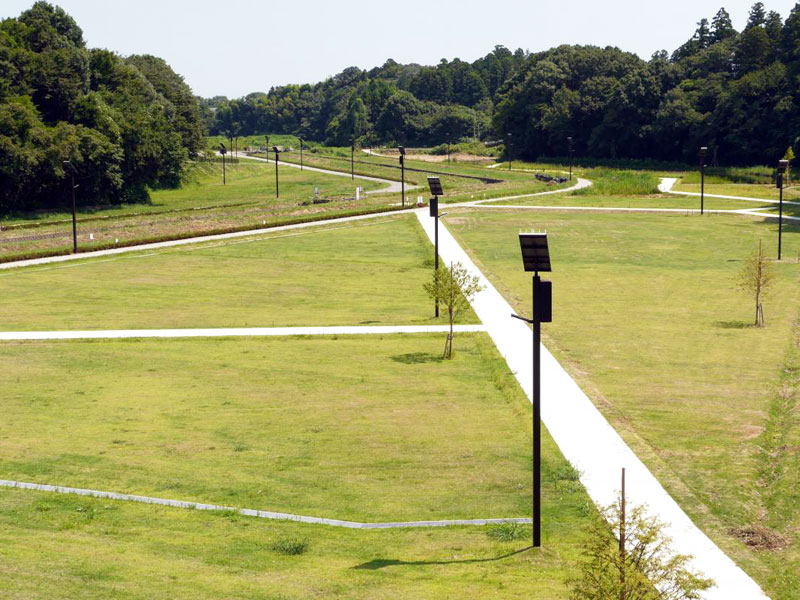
(125, 124)
(290, 546)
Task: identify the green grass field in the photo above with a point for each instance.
(365, 273)
(68, 547)
(648, 319)
(358, 428)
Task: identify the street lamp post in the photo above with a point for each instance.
(277, 182)
(402, 175)
(536, 258)
(702, 154)
(301, 152)
(352, 161)
(569, 143)
(508, 149)
(71, 168)
(223, 151)
(782, 166)
(435, 186)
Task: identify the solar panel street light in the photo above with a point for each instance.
(435, 185)
(70, 168)
(277, 152)
(702, 154)
(402, 151)
(782, 166)
(536, 258)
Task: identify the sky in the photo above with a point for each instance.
(237, 47)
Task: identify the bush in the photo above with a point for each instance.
(508, 532)
(290, 546)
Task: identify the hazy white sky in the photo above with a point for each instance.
(236, 47)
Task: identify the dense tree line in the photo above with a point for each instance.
(736, 92)
(126, 124)
(409, 104)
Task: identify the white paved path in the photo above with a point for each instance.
(586, 438)
(233, 332)
(263, 514)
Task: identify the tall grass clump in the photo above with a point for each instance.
(614, 182)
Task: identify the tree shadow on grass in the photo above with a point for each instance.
(380, 563)
(417, 358)
(733, 324)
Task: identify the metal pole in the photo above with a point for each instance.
(780, 214)
(537, 420)
(403, 179)
(277, 182)
(508, 149)
(224, 180)
(436, 258)
(622, 534)
(352, 162)
(702, 185)
(74, 219)
(301, 154)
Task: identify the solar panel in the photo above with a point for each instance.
(436, 186)
(535, 252)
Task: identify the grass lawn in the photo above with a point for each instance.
(648, 319)
(68, 547)
(283, 424)
(203, 205)
(368, 272)
(594, 199)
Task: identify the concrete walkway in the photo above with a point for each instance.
(586, 439)
(233, 332)
(393, 187)
(249, 512)
(667, 183)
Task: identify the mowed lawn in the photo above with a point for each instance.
(71, 547)
(366, 273)
(361, 428)
(648, 318)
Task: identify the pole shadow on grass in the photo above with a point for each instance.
(380, 563)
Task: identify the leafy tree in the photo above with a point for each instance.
(643, 567)
(756, 277)
(454, 288)
(722, 26)
(757, 16)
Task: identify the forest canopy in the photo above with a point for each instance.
(130, 124)
(125, 124)
(737, 92)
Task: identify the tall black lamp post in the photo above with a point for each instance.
(782, 166)
(402, 175)
(571, 150)
(277, 152)
(508, 149)
(223, 151)
(435, 186)
(535, 258)
(68, 166)
(352, 161)
(301, 152)
(702, 154)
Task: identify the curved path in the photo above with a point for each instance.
(587, 440)
(391, 186)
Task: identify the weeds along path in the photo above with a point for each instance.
(587, 440)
